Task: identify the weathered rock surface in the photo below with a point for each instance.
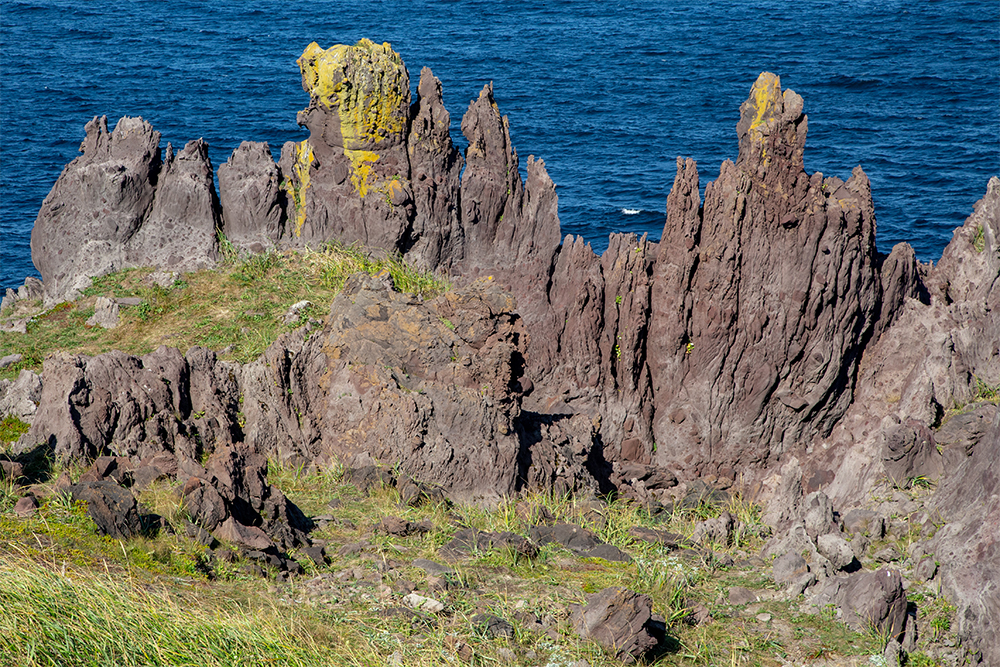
(867, 601)
(428, 385)
(112, 508)
(20, 397)
(135, 407)
(968, 547)
(350, 179)
(106, 314)
(616, 618)
(120, 204)
(252, 201)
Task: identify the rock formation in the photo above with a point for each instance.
(762, 338)
(120, 204)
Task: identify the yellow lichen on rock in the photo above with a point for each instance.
(766, 95)
(297, 188)
(366, 84)
(367, 87)
(361, 169)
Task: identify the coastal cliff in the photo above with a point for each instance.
(762, 341)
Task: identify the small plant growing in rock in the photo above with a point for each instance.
(979, 242)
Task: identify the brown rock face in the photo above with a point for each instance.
(436, 237)
(136, 407)
(968, 548)
(252, 200)
(96, 206)
(617, 619)
(430, 386)
(763, 298)
(118, 205)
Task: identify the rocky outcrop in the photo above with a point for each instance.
(940, 353)
(762, 338)
(436, 237)
(350, 180)
(120, 204)
(252, 200)
(135, 407)
(763, 297)
(430, 386)
(968, 547)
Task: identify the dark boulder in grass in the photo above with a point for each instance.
(619, 620)
(113, 508)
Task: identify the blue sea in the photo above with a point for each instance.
(607, 93)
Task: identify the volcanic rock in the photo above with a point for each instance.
(112, 508)
(616, 618)
(427, 385)
(967, 547)
(20, 397)
(350, 179)
(119, 205)
(251, 197)
(105, 314)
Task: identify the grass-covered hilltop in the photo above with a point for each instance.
(365, 406)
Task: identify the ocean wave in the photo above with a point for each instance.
(631, 211)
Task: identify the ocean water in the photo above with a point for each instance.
(608, 94)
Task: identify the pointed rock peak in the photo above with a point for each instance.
(771, 118)
(429, 107)
(429, 87)
(483, 125)
(97, 132)
(365, 85)
(764, 103)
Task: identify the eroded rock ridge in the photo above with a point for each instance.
(763, 339)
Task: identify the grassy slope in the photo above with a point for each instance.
(69, 597)
(236, 309)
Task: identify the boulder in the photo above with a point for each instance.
(909, 453)
(867, 601)
(26, 507)
(20, 398)
(493, 626)
(469, 540)
(838, 551)
(618, 619)
(112, 508)
(105, 314)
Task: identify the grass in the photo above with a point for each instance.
(235, 309)
(979, 241)
(68, 596)
(12, 428)
(82, 617)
